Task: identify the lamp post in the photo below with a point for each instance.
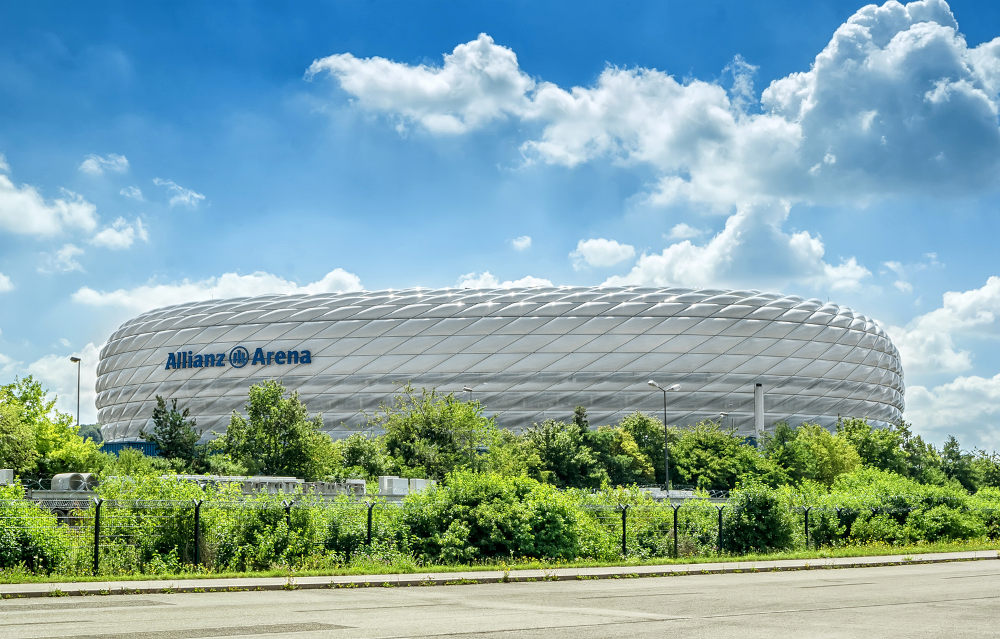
(666, 451)
(76, 360)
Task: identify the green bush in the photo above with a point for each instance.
(756, 520)
(477, 516)
(30, 536)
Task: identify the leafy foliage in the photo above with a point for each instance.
(431, 435)
(173, 432)
(481, 515)
(710, 457)
(58, 446)
(277, 437)
(30, 536)
(755, 520)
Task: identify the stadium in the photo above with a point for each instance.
(525, 354)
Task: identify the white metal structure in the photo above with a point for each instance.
(526, 354)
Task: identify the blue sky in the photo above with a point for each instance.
(159, 152)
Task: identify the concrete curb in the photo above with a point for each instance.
(242, 584)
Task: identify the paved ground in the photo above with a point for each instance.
(960, 599)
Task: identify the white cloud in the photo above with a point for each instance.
(903, 272)
(478, 82)
(121, 234)
(4, 167)
(23, 210)
(149, 296)
(97, 165)
(5, 283)
(928, 342)
(895, 102)
(58, 375)
(684, 231)
(62, 261)
(132, 193)
(967, 407)
(488, 280)
(521, 243)
(180, 196)
(601, 253)
(751, 251)
(9, 367)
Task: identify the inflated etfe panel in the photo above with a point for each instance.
(526, 354)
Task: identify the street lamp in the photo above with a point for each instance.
(666, 452)
(76, 360)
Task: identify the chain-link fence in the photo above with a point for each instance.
(168, 536)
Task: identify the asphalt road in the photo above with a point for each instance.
(941, 600)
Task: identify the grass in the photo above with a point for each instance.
(370, 567)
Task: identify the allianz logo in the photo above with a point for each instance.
(238, 357)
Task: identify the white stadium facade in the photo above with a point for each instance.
(526, 354)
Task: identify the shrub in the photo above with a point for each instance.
(29, 535)
(756, 520)
(482, 515)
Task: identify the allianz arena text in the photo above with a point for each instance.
(525, 354)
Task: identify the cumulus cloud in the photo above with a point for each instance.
(132, 193)
(751, 251)
(895, 102)
(968, 407)
(121, 234)
(477, 83)
(928, 343)
(521, 243)
(5, 283)
(62, 260)
(97, 165)
(179, 196)
(23, 210)
(149, 296)
(58, 375)
(684, 231)
(600, 252)
(488, 280)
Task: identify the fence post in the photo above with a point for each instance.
(624, 509)
(288, 513)
(676, 507)
(805, 511)
(368, 536)
(97, 534)
(720, 509)
(197, 532)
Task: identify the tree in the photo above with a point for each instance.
(431, 434)
(17, 440)
(567, 460)
(788, 451)
(811, 452)
(710, 457)
(58, 445)
(880, 448)
(173, 433)
(277, 437)
(958, 465)
(91, 432)
(620, 455)
(647, 433)
(364, 456)
(829, 455)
